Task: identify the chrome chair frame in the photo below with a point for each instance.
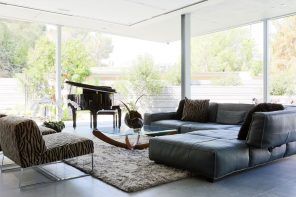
(7, 167)
(39, 168)
(50, 175)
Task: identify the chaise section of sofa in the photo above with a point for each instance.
(217, 153)
(208, 153)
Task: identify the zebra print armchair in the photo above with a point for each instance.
(43, 130)
(23, 143)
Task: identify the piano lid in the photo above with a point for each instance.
(92, 87)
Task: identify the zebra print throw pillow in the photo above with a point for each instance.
(195, 110)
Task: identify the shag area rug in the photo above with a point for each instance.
(128, 170)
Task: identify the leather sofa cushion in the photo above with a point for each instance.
(231, 117)
(234, 107)
(152, 117)
(260, 156)
(291, 149)
(235, 128)
(219, 134)
(262, 107)
(211, 157)
(272, 129)
(194, 126)
(218, 158)
(212, 112)
(227, 108)
(174, 150)
(174, 124)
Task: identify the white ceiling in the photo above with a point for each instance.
(157, 20)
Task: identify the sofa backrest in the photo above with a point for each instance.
(21, 140)
(272, 129)
(228, 113)
(212, 112)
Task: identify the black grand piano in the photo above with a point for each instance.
(94, 99)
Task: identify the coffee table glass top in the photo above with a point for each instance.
(147, 130)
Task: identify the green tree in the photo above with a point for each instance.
(283, 68)
(76, 61)
(15, 40)
(39, 75)
(173, 75)
(98, 46)
(142, 78)
(225, 51)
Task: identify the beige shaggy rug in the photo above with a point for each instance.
(128, 170)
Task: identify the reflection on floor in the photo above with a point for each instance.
(277, 179)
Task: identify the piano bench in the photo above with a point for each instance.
(111, 112)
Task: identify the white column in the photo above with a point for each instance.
(58, 76)
(265, 61)
(185, 56)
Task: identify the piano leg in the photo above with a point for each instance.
(119, 118)
(74, 117)
(94, 115)
(117, 107)
(90, 120)
(114, 121)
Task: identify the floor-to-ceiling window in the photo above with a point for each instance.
(133, 67)
(227, 66)
(282, 72)
(27, 68)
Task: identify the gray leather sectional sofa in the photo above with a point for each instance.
(213, 150)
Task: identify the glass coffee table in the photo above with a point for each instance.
(146, 130)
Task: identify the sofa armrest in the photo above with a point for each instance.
(272, 129)
(151, 117)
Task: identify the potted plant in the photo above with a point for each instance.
(58, 126)
(133, 119)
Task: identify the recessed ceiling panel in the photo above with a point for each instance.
(122, 12)
(165, 5)
(122, 16)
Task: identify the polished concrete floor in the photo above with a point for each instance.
(276, 179)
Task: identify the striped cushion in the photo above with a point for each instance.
(62, 146)
(195, 110)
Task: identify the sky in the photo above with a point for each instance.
(165, 54)
(127, 49)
